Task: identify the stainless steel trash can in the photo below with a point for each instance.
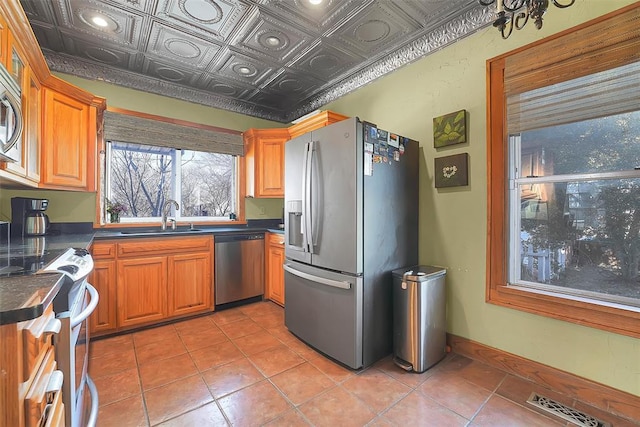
(419, 321)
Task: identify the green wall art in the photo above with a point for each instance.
(451, 171)
(450, 129)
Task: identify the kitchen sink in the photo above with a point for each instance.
(159, 231)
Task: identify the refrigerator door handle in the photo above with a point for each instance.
(305, 196)
(308, 232)
(316, 279)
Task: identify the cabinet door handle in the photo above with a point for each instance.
(55, 382)
(53, 327)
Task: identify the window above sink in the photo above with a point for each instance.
(143, 177)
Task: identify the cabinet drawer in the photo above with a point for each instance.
(43, 403)
(103, 250)
(137, 247)
(37, 339)
(276, 239)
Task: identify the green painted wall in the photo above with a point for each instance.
(263, 208)
(64, 206)
(453, 221)
(71, 206)
(80, 207)
(121, 97)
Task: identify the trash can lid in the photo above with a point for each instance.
(419, 273)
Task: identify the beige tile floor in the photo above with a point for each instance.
(242, 367)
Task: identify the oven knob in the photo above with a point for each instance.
(69, 268)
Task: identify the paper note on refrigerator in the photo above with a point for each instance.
(368, 163)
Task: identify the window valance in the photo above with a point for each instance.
(149, 131)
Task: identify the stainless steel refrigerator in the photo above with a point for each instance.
(351, 217)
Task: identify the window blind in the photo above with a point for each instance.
(587, 50)
(591, 72)
(147, 131)
(596, 95)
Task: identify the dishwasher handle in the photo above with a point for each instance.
(238, 237)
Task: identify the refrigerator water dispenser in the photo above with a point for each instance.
(295, 226)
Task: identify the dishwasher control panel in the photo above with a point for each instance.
(238, 237)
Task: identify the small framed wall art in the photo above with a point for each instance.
(450, 129)
(452, 171)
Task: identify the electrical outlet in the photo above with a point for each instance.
(262, 210)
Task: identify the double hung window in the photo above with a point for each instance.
(564, 176)
(574, 188)
(144, 177)
(150, 160)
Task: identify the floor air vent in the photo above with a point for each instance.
(566, 412)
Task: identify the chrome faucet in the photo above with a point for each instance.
(164, 213)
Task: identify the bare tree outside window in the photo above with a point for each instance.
(143, 178)
(580, 213)
(141, 181)
(207, 184)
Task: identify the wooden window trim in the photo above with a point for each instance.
(597, 314)
(102, 149)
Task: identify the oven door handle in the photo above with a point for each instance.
(93, 391)
(84, 314)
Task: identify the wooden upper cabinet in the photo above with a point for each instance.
(69, 142)
(265, 162)
(4, 32)
(264, 155)
(26, 168)
(16, 60)
(17, 67)
(314, 122)
(32, 134)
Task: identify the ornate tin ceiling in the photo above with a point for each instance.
(274, 59)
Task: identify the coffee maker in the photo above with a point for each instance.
(28, 217)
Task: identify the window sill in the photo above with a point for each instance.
(157, 224)
(609, 317)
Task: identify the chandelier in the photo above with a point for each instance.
(516, 13)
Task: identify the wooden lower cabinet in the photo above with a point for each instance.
(275, 273)
(142, 290)
(103, 278)
(148, 280)
(30, 392)
(190, 283)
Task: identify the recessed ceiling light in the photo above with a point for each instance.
(315, 2)
(244, 70)
(273, 41)
(99, 21)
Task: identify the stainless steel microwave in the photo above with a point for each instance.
(10, 117)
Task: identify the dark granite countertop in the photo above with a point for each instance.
(26, 297)
(156, 232)
(25, 294)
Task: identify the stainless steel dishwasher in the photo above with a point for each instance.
(239, 267)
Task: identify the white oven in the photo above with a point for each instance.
(73, 306)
